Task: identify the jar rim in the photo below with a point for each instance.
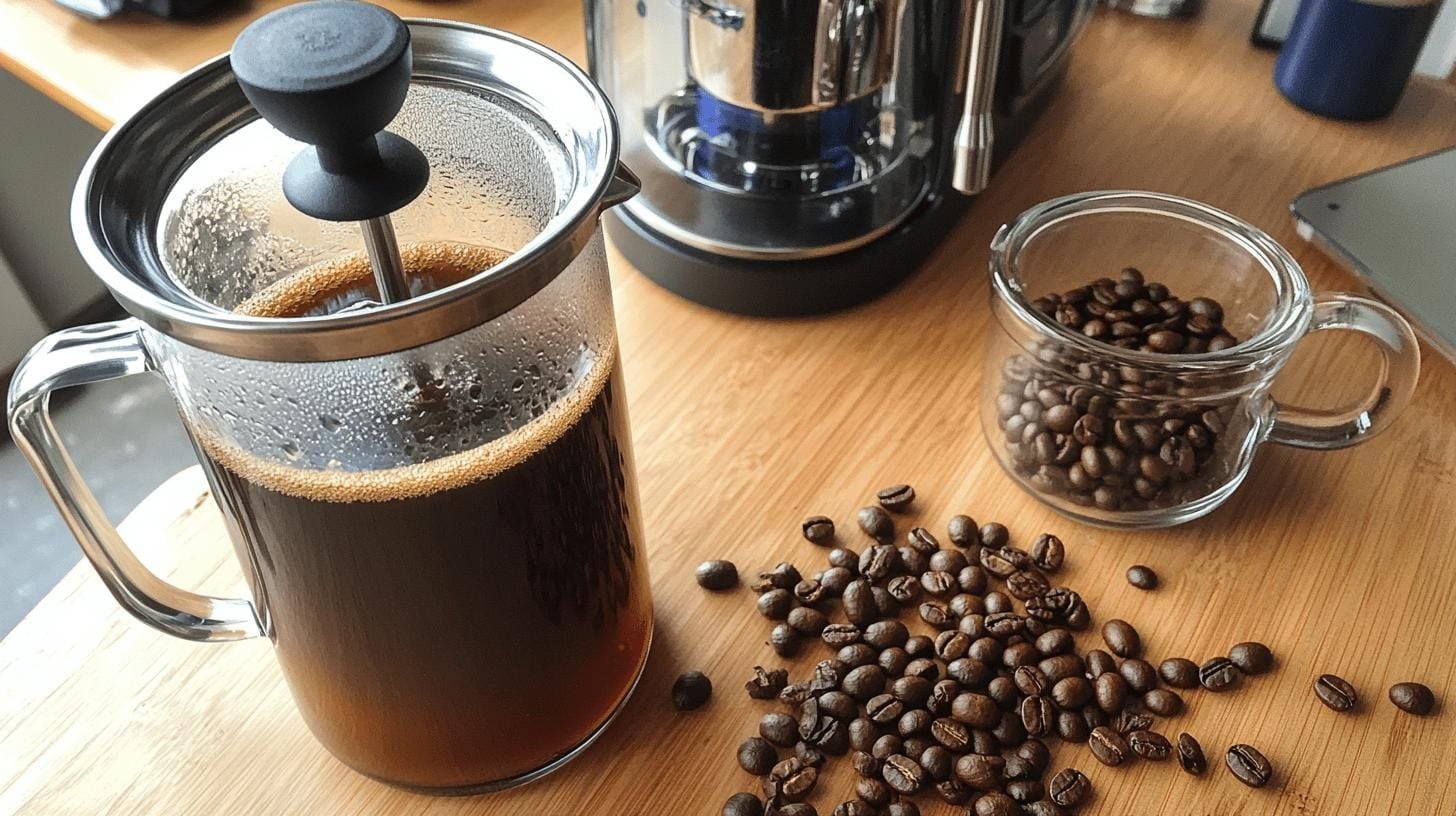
(1288, 320)
(119, 194)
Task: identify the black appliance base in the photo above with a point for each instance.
(784, 288)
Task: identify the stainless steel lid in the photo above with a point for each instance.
(180, 209)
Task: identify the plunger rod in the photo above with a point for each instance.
(383, 249)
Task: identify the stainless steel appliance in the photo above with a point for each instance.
(803, 155)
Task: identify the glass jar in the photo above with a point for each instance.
(1124, 436)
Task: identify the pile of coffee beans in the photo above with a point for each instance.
(1115, 436)
(962, 705)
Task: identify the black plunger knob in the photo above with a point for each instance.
(333, 73)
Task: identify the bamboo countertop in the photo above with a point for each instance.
(743, 427)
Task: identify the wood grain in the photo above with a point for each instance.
(1342, 562)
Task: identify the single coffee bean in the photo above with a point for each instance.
(1045, 807)
(766, 684)
(839, 635)
(827, 675)
(743, 804)
(1004, 625)
(844, 557)
(1029, 680)
(855, 807)
(857, 654)
(994, 535)
(1108, 746)
(795, 694)
(939, 584)
(884, 709)
(964, 603)
(1179, 672)
(1248, 765)
(886, 746)
(952, 734)
(1251, 657)
(791, 780)
(996, 804)
(1027, 584)
(865, 764)
(859, 603)
(922, 540)
(811, 591)
(912, 561)
(1129, 721)
(1142, 577)
(923, 667)
(873, 791)
(886, 633)
(782, 576)
(862, 734)
(1095, 716)
(913, 722)
(1047, 551)
(1071, 692)
(1139, 674)
(916, 745)
(1100, 663)
(793, 809)
(893, 660)
(1163, 702)
(1335, 692)
(779, 729)
(885, 603)
(1021, 653)
(864, 682)
(1054, 642)
(1025, 790)
(952, 792)
(975, 710)
(963, 531)
(1121, 638)
(876, 523)
(1009, 731)
(1190, 754)
(919, 646)
(951, 561)
(903, 774)
(809, 755)
(717, 575)
(691, 690)
(938, 762)
(834, 580)
(1037, 715)
(1218, 674)
(981, 772)
(1071, 727)
(896, 498)
(902, 808)
(1061, 666)
(1069, 788)
(784, 639)
(997, 603)
(819, 529)
(912, 691)
(1150, 745)
(838, 705)
(757, 756)
(877, 562)
(998, 562)
(1413, 698)
(806, 620)
(775, 604)
(1110, 691)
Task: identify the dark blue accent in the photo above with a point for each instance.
(826, 140)
(1351, 60)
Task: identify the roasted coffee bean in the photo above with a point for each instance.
(1018, 654)
(865, 764)
(951, 645)
(893, 660)
(916, 745)
(877, 562)
(896, 498)
(1190, 754)
(1138, 575)
(832, 736)
(951, 561)
(952, 791)
(757, 756)
(790, 780)
(939, 584)
(1044, 807)
(775, 604)
(884, 709)
(902, 808)
(986, 649)
(873, 791)
(1095, 716)
(976, 710)
(994, 535)
(743, 804)
(844, 557)
(839, 705)
(1110, 691)
(970, 672)
(1071, 692)
(1071, 727)
(717, 575)
(996, 804)
(1027, 584)
(1037, 715)
(1139, 674)
(766, 684)
(903, 774)
(973, 625)
(859, 603)
(1179, 672)
(793, 809)
(953, 734)
(795, 694)
(1163, 702)
(1413, 698)
(1218, 674)
(876, 523)
(1054, 642)
(1047, 551)
(1069, 788)
(980, 772)
(885, 603)
(827, 675)
(922, 540)
(935, 615)
(855, 807)
(864, 682)
(1248, 765)
(938, 762)
(691, 690)
(963, 604)
(963, 531)
(806, 620)
(779, 729)
(886, 746)
(998, 563)
(1029, 680)
(1108, 746)
(912, 561)
(1122, 638)
(923, 667)
(914, 721)
(971, 578)
(912, 691)
(1036, 754)
(1150, 745)
(1100, 663)
(783, 576)
(1058, 667)
(903, 588)
(1003, 625)
(862, 733)
(1018, 768)
(1335, 692)
(1129, 721)
(1025, 790)
(819, 529)
(1003, 691)
(997, 602)
(1251, 657)
(886, 633)
(811, 591)
(784, 639)
(838, 635)
(919, 646)
(834, 580)
(1009, 731)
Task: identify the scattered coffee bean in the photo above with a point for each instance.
(996, 804)
(873, 791)
(994, 535)
(1037, 715)
(810, 591)
(1069, 788)
(1129, 721)
(1179, 672)
(806, 620)
(855, 807)
(1163, 702)
(997, 602)
(902, 808)
(939, 584)
(896, 498)
(1121, 638)
(1218, 674)
(766, 684)
(876, 523)
(1190, 754)
(779, 729)
(743, 804)
(1251, 657)
(1045, 807)
(834, 580)
(859, 603)
(1248, 765)
(1071, 692)
(886, 633)
(819, 529)
(1335, 692)
(808, 754)
(790, 780)
(717, 575)
(1100, 663)
(784, 639)
(1139, 674)
(903, 774)
(1413, 698)
(857, 654)
(963, 531)
(981, 772)
(864, 682)
(1107, 745)
(844, 557)
(1110, 691)
(1142, 577)
(1150, 745)
(1071, 726)
(757, 756)
(691, 690)
(1048, 552)
(1027, 584)
(938, 762)
(1054, 642)
(775, 604)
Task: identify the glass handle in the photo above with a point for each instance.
(1400, 365)
(80, 356)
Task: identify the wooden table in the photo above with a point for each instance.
(1342, 562)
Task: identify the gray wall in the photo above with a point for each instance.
(42, 148)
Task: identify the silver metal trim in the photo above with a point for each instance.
(976, 133)
(382, 247)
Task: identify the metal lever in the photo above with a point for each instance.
(383, 249)
(975, 135)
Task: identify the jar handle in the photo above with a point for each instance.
(80, 356)
(1325, 429)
